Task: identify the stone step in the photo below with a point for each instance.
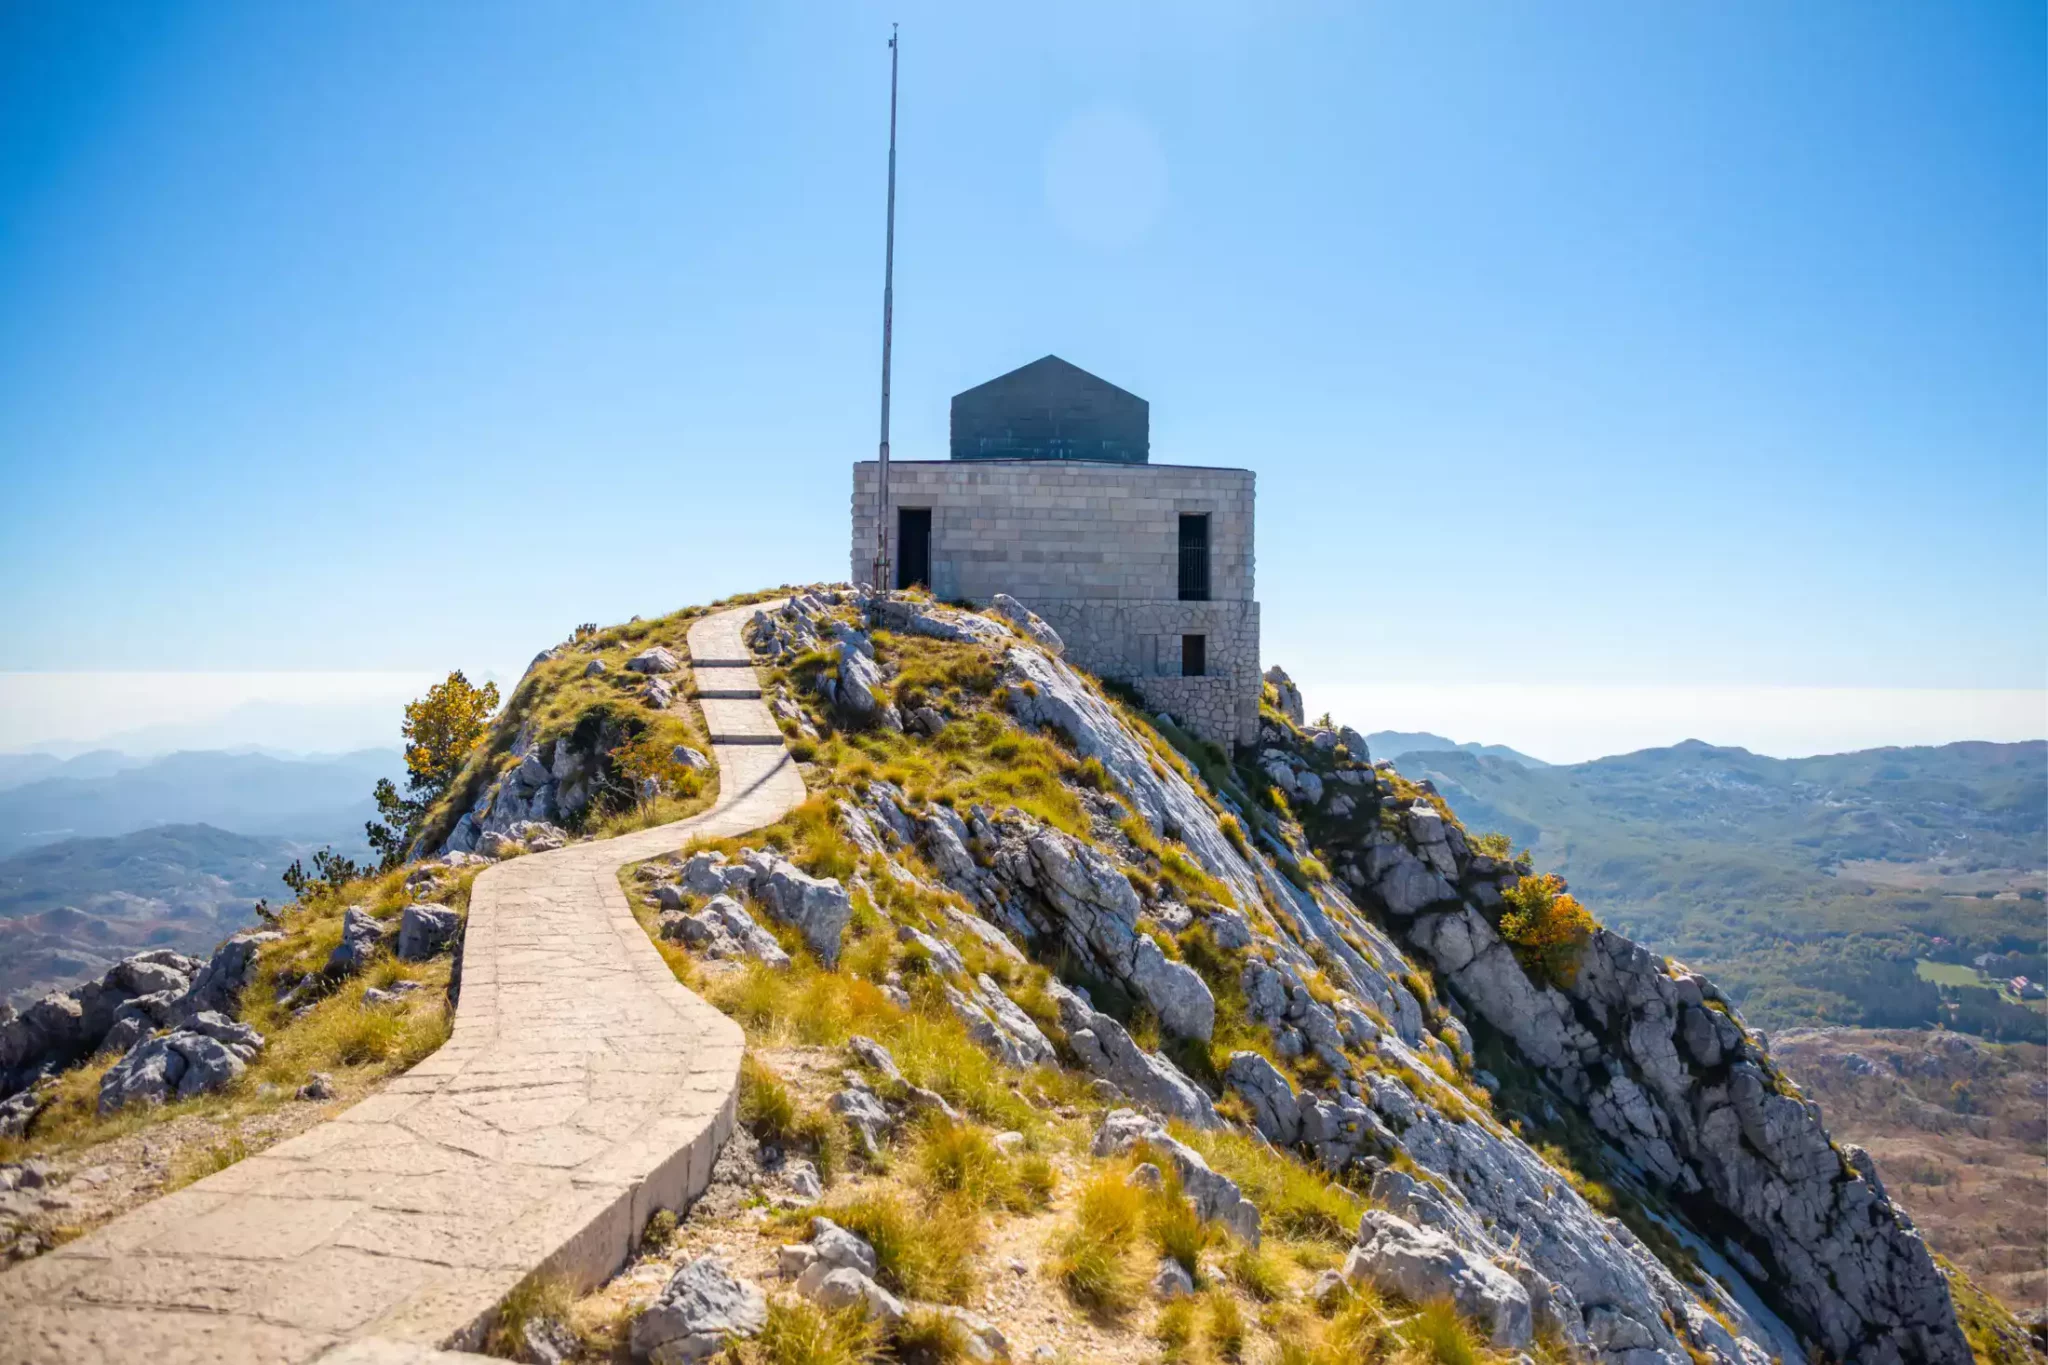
(722, 663)
(746, 739)
(729, 693)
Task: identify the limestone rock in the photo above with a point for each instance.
(1421, 1264)
(655, 660)
(914, 616)
(204, 1056)
(1028, 623)
(361, 935)
(843, 1288)
(424, 929)
(1172, 1281)
(1215, 1196)
(699, 1311)
(995, 1022)
(818, 907)
(1044, 691)
(1288, 695)
(1276, 1109)
(724, 929)
(838, 1248)
(1106, 1050)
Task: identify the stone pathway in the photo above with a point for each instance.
(581, 1089)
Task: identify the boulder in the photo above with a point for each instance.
(845, 1288)
(872, 1054)
(702, 1308)
(1421, 1264)
(1105, 1049)
(861, 692)
(690, 758)
(818, 907)
(203, 1056)
(424, 929)
(837, 1248)
(655, 660)
(1276, 1109)
(594, 668)
(1172, 1281)
(361, 935)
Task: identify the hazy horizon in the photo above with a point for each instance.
(336, 712)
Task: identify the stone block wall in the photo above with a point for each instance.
(1095, 549)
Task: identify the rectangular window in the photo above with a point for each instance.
(1194, 656)
(913, 547)
(1194, 557)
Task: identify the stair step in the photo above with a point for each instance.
(722, 663)
(729, 693)
(746, 739)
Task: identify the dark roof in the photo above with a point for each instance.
(1051, 410)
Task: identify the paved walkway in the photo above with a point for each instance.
(581, 1089)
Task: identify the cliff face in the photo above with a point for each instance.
(1320, 906)
(1667, 1074)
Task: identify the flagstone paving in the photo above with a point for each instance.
(581, 1089)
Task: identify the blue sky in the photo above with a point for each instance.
(1589, 345)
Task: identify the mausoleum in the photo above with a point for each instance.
(1145, 570)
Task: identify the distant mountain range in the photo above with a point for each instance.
(44, 799)
(1809, 887)
(69, 910)
(1395, 745)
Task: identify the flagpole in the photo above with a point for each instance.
(888, 319)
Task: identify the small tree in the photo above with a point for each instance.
(441, 729)
(1547, 927)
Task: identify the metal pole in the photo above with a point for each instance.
(888, 318)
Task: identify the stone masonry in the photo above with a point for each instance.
(1094, 549)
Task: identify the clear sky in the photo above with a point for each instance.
(1665, 346)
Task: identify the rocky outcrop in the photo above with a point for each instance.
(362, 934)
(1667, 1073)
(136, 996)
(1046, 884)
(724, 929)
(1421, 1264)
(1028, 623)
(1044, 691)
(1104, 1048)
(817, 907)
(547, 783)
(1287, 697)
(203, 1055)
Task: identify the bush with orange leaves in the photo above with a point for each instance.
(1547, 927)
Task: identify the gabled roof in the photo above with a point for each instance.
(1048, 371)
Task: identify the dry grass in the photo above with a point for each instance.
(799, 1333)
(924, 1249)
(1094, 1260)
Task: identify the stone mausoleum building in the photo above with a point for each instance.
(1050, 495)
